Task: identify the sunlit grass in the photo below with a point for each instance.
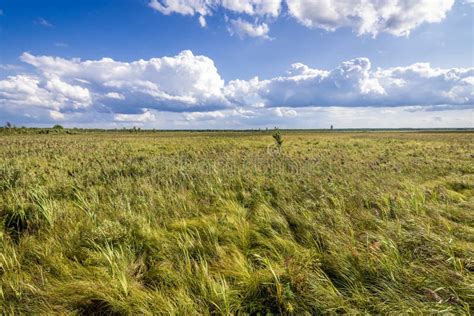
(221, 223)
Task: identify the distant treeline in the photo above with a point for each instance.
(9, 128)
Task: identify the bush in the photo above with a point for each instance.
(278, 138)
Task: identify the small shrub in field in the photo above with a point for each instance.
(278, 138)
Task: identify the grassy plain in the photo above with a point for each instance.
(224, 223)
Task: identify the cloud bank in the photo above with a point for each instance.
(354, 83)
(191, 86)
(180, 83)
(396, 17)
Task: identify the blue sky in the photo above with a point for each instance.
(352, 63)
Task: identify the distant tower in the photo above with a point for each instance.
(332, 127)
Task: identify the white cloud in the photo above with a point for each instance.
(66, 89)
(25, 90)
(206, 7)
(183, 82)
(147, 116)
(424, 85)
(282, 112)
(202, 21)
(224, 114)
(253, 7)
(243, 28)
(205, 115)
(185, 7)
(79, 96)
(114, 95)
(396, 17)
(57, 116)
(244, 92)
(354, 83)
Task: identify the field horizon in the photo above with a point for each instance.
(133, 128)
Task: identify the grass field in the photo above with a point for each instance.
(225, 223)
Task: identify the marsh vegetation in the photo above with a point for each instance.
(215, 223)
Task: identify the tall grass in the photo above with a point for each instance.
(215, 223)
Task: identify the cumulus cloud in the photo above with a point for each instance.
(189, 84)
(354, 83)
(185, 7)
(243, 28)
(424, 85)
(396, 17)
(253, 7)
(206, 7)
(243, 92)
(257, 8)
(181, 83)
(54, 94)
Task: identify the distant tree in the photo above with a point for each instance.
(57, 126)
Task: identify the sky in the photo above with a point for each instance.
(237, 64)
